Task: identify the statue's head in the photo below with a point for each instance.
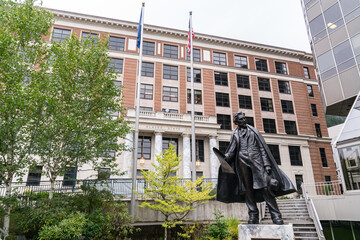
(239, 119)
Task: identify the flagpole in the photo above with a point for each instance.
(137, 107)
(193, 141)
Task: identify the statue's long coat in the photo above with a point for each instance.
(230, 187)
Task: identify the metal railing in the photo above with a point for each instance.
(3, 234)
(331, 188)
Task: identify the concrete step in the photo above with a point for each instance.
(306, 238)
(305, 234)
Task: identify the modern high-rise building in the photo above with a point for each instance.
(334, 33)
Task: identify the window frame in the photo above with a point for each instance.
(284, 87)
(61, 38)
(171, 91)
(115, 46)
(171, 51)
(262, 66)
(242, 81)
(239, 62)
(219, 58)
(222, 99)
(264, 84)
(220, 80)
(306, 72)
(171, 72)
(145, 91)
(318, 130)
(266, 104)
(314, 110)
(141, 147)
(224, 120)
(281, 68)
(197, 96)
(148, 48)
(197, 75)
(274, 148)
(290, 127)
(196, 55)
(287, 106)
(245, 102)
(310, 91)
(269, 125)
(146, 70)
(117, 64)
(295, 155)
(323, 158)
(34, 176)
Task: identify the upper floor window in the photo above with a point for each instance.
(149, 109)
(169, 110)
(199, 149)
(196, 55)
(250, 121)
(323, 157)
(92, 36)
(280, 67)
(284, 87)
(170, 94)
(116, 43)
(147, 69)
(118, 85)
(241, 61)
(197, 96)
(269, 125)
(116, 64)
(224, 120)
(144, 147)
(264, 84)
(287, 106)
(266, 104)
(196, 113)
(290, 127)
(170, 72)
(306, 72)
(166, 144)
(243, 81)
(318, 130)
(60, 34)
(310, 91)
(170, 51)
(197, 75)
(274, 149)
(219, 58)
(261, 64)
(245, 102)
(148, 48)
(222, 100)
(146, 91)
(221, 78)
(34, 176)
(295, 156)
(69, 176)
(104, 173)
(313, 110)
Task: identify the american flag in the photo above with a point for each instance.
(189, 44)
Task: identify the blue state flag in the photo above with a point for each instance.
(139, 32)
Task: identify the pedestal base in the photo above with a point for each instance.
(266, 232)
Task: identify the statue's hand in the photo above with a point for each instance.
(268, 169)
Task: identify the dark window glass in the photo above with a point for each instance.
(269, 125)
(323, 157)
(92, 36)
(250, 121)
(221, 78)
(287, 106)
(197, 96)
(60, 35)
(219, 58)
(280, 67)
(144, 147)
(306, 72)
(313, 109)
(196, 113)
(318, 130)
(224, 120)
(266, 104)
(223, 146)
(69, 176)
(149, 109)
(299, 180)
(243, 81)
(290, 127)
(264, 84)
(167, 110)
(147, 69)
(170, 94)
(222, 100)
(310, 91)
(170, 51)
(116, 64)
(166, 142)
(34, 176)
(104, 173)
(327, 179)
(170, 72)
(199, 153)
(261, 65)
(146, 91)
(295, 156)
(148, 48)
(196, 55)
(245, 102)
(197, 75)
(284, 87)
(241, 61)
(116, 43)
(274, 149)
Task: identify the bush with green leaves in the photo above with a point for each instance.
(218, 230)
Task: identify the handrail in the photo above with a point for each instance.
(3, 233)
(312, 212)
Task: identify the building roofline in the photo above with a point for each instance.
(181, 33)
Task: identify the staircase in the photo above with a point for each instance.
(295, 211)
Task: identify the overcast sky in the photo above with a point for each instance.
(272, 22)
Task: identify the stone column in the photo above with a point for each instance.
(128, 156)
(214, 162)
(186, 156)
(158, 145)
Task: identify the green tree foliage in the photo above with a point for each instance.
(219, 230)
(169, 194)
(332, 120)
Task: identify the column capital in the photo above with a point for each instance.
(159, 133)
(213, 136)
(185, 134)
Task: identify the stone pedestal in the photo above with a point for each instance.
(266, 232)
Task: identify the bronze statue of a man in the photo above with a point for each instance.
(257, 177)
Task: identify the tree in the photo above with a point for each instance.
(174, 197)
(22, 26)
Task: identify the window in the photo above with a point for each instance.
(221, 78)
(147, 69)
(306, 73)
(170, 51)
(349, 158)
(197, 96)
(149, 109)
(295, 156)
(148, 48)
(118, 85)
(274, 149)
(170, 94)
(290, 127)
(195, 113)
(269, 125)
(223, 146)
(284, 87)
(243, 81)
(222, 100)
(219, 58)
(250, 121)
(280, 67)
(287, 106)
(197, 75)
(318, 130)
(261, 64)
(116, 64)
(313, 110)
(34, 176)
(266, 104)
(323, 157)
(116, 43)
(60, 34)
(310, 91)
(328, 179)
(170, 72)
(104, 173)
(317, 28)
(199, 152)
(224, 120)
(264, 84)
(144, 147)
(69, 176)
(196, 55)
(166, 142)
(299, 180)
(146, 91)
(245, 102)
(167, 110)
(241, 61)
(108, 154)
(92, 36)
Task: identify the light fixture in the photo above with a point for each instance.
(142, 161)
(331, 25)
(197, 162)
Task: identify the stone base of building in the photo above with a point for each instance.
(266, 232)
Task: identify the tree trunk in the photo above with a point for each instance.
(8, 208)
(52, 188)
(165, 233)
